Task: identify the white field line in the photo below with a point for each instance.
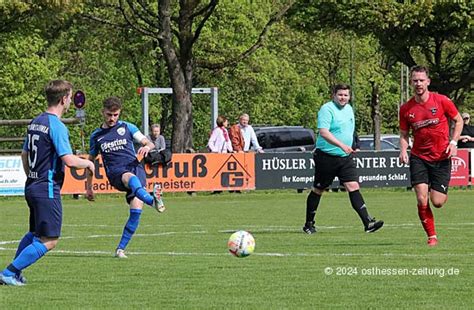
(292, 228)
(265, 228)
(255, 229)
(107, 253)
(224, 253)
(116, 236)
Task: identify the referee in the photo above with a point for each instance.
(333, 158)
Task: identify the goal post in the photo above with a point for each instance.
(146, 91)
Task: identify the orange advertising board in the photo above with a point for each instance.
(185, 173)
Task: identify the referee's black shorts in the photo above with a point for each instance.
(327, 167)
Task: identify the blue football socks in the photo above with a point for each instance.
(25, 241)
(139, 191)
(130, 228)
(28, 256)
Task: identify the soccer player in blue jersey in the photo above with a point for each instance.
(114, 141)
(45, 151)
(333, 157)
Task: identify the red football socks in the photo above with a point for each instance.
(427, 219)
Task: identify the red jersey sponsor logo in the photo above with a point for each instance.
(425, 123)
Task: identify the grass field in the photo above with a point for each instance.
(179, 259)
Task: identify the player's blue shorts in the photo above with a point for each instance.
(46, 216)
(115, 178)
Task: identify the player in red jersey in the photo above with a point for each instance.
(427, 114)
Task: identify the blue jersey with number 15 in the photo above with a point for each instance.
(46, 141)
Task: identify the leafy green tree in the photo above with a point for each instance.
(25, 66)
(436, 33)
(286, 81)
(176, 27)
(280, 75)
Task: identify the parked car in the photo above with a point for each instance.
(367, 144)
(387, 142)
(285, 138)
(392, 138)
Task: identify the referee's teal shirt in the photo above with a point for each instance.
(340, 122)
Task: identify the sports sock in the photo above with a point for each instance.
(358, 205)
(28, 256)
(427, 219)
(138, 190)
(130, 228)
(312, 203)
(25, 241)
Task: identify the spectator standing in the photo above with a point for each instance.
(236, 138)
(247, 137)
(219, 141)
(466, 140)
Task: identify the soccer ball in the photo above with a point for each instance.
(241, 244)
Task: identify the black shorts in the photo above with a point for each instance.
(436, 174)
(46, 216)
(115, 178)
(327, 167)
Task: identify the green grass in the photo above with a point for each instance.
(179, 259)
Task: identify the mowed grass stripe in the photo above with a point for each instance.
(186, 270)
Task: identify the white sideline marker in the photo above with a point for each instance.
(224, 253)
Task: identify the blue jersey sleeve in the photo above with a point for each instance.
(324, 117)
(60, 136)
(93, 145)
(133, 129)
(136, 134)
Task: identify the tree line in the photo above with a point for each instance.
(275, 60)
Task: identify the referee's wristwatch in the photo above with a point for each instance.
(454, 142)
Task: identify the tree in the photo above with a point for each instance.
(177, 28)
(24, 66)
(437, 33)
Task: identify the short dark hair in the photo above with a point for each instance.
(420, 69)
(55, 90)
(339, 87)
(112, 104)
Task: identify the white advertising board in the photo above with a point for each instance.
(12, 176)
